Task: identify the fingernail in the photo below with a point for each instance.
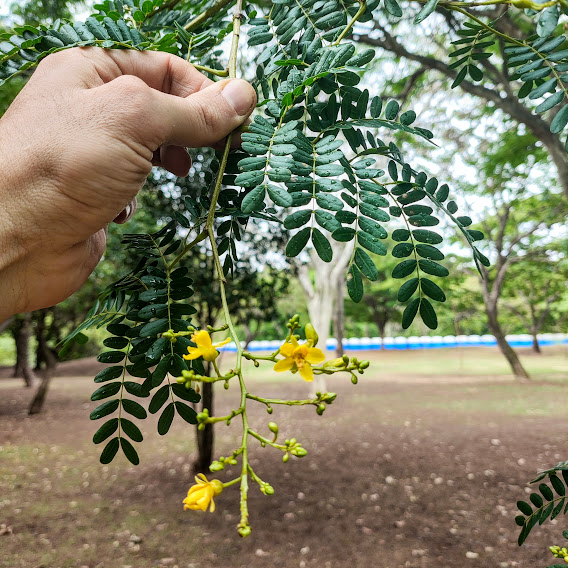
(240, 95)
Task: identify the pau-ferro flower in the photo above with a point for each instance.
(299, 358)
(204, 347)
(200, 496)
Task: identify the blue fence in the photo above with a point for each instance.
(425, 342)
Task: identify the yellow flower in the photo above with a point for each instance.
(299, 358)
(204, 347)
(200, 496)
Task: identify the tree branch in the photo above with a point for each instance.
(509, 103)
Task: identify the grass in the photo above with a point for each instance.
(417, 465)
(466, 363)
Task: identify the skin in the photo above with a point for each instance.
(76, 146)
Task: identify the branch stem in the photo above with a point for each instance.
(203, 17)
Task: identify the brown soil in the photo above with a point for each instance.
(398, 475)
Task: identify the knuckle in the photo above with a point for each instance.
(59, 59)
(130, 86)
(130, 96)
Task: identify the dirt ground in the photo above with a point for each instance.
(400, 473)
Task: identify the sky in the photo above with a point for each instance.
(4, 5)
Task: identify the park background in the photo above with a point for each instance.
(419, 465)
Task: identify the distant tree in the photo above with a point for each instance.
(519, 218)
(531, 291)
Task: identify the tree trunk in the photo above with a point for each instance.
(339, 318)
(46, 357)
(508, 352)
(320, 297)
(382, 327)
(39, 398)
(21, 333)
(205, 437)
(49, 359)
(535, 345)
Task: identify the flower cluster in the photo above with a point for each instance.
(560, 552)
(303, 358)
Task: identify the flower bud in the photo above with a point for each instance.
(216, 466)
(354, 379)
(269, 409)
(180, 380)
(244, 531)
(299, 452)
(285, 457)
(329, 397)
(345, 359)
(320, 409)
(273, 427)
(334, 364)
(364, 364)
(203, 416)
(311, 335)
(226, 385)
(267, 489)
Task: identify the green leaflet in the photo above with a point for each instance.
(355, 284)
(322, 246)
(298, 219)
(410, 313)
(365, 264)
(298, 242)
(407, 290)
(428, 314)
(432, 290)
(404, 268)
(254, 200)
(279, 196)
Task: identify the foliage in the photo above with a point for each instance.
(294, 157)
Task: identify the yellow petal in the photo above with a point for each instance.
(294, 342)
(224, 342)
(201, 339)
(306, 373)
(315, 355)
(194, 353)
(287, 350)
(284, 365)
(212, 508)
(203, 503)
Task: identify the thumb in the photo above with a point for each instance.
(207, 116)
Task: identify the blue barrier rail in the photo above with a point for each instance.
(424, 342)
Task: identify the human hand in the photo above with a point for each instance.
(76, 147)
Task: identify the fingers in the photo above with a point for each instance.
(175, 159)
(126, 214)
(205, 117)
(92, 67)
